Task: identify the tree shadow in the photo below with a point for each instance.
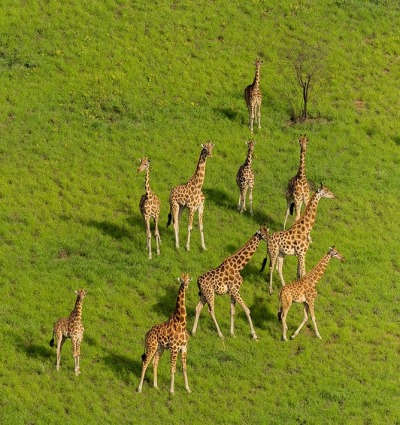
(123, 366)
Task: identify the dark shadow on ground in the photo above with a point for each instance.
(123, 366)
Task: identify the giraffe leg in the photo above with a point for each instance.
(259, 115)
(284, 325)
(157, 235)
(233, 302)
(239, 207)
(243, 206)
(239, 299)
(77, 352)
(156, 360)
(301, 265)
(280, 268)
(251, 199)
(174, 355)
(190, 226)
(199, 307)
(302, 323)
(146, 361)
(176, 213)
(183, 354)
(148, 236)
(211, 311)
(311, 308)
(288, 202)
(201, 212)
(60, 342)
(272, 262)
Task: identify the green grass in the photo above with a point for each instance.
(87, 90)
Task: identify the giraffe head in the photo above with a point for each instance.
(258, 63)
(184, 280)
(334, 253)
(303, 141)
(324, 192)
(81, 293)
(144, 164)
(263, 233)
(207, 149)
(251, 144)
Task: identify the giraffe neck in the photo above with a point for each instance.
(256, 82)
(249, 158)
(307, 220)
(316, 273)
(147, 181)
(302, 169)
(76, 313)
(180, 311)
(242, 257)
(197, 179)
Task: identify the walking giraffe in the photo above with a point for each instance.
(298, 190)
(226, 279)
(190, 196)
(149, 206)
(245, 180)
(171, 335)
(70, 327)
(296, 240)
(304, 291)
(253, 97)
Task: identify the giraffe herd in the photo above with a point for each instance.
(226, 278)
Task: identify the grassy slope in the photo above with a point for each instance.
(88, 90)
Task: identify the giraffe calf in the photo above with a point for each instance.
(70, 327)
(304, 291)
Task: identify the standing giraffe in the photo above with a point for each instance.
(190, 196)
(298, 190)
(70, 327)
(296, 240)
(226, 279)
(304, 291)
(245, 180)
(149, 207)
(253, 97)
(171, 335)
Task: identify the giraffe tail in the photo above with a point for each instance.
(169, 219)
(280, 314)
(144, 357)
(263, 264)
(291, 208)
(51, 342)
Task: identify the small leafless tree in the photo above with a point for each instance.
(309, 66)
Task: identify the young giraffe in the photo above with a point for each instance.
(296, 240)
(190, 196)
(70, 327)
(171, 335)
(298, 190)
(149, 207)
(253, 97)
(245, 180)
(304, 291)
(226, 279)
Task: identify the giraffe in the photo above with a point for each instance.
(171, 335)
(149, 207)
(304, 291)
(70, 327)
(296, 240)
(298, 190)
(226, 279)
(245, 180)
(190, 196)
(253, 97)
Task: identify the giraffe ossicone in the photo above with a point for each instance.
(70, 327)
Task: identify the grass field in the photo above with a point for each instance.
(87, 89)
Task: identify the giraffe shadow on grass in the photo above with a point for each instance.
(221, 198)
(123, 366)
